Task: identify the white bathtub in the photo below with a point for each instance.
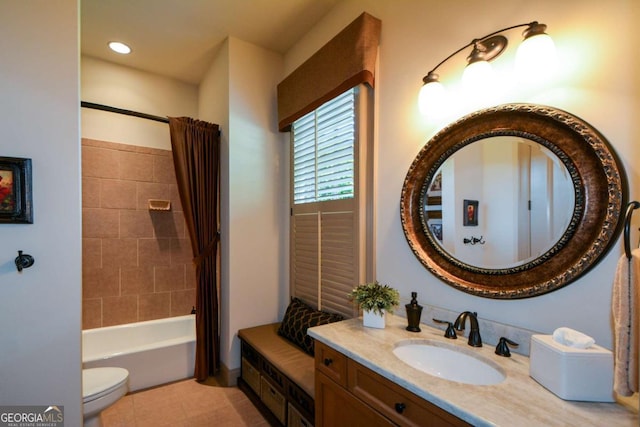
(154, 352)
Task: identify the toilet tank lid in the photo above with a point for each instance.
(100, 380)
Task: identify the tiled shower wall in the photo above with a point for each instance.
(136, 262)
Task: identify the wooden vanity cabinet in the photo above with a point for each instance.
(365, 398)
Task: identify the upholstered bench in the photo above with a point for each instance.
(277, 366)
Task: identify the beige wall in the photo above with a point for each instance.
(40, 307)
(136, 262)
(117, 86)
(257, 283)
(599, 54)
(253, 207)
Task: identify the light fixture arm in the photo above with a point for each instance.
(534, 28)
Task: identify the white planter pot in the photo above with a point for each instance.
(373, 320)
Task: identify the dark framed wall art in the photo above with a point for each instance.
(470, 213)
(15, 190)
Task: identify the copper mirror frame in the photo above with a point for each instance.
(600, 194)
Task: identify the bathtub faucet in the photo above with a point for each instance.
(474, 335)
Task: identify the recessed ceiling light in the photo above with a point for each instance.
(120, 47)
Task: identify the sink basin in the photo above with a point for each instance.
(448, 362)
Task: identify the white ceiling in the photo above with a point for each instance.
(178, 38)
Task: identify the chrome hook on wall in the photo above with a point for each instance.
(24, 261)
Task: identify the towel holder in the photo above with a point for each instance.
(627, 227)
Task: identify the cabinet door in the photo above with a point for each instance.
(335, 407)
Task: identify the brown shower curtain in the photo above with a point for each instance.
(196, 157)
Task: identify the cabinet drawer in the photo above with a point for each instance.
(250, 354)
(274, 374)
(394, 402)
(251, 375)
(332, 363)
(295, 418)
(301, 400)
(274, 400)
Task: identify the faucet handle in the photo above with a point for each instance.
(450, 332)
(502, 349)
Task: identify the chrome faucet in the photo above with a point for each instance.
(474, 335)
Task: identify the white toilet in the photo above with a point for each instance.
(101, 388)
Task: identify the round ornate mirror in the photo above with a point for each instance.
(513, 201)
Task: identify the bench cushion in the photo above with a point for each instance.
(285, 356)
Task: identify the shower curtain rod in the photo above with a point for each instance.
(123, 111)
(102, 107)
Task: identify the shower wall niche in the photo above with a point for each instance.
(136, 262)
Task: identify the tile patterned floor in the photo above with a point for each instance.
(184, 404)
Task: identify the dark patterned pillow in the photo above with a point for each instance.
(298, 318)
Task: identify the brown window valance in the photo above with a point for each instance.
(345, 61)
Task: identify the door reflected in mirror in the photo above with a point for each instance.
(525, 201)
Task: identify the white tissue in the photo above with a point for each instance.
(572, 338)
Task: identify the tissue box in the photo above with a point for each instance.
(572, 373)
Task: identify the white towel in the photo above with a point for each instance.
(624, 306)
(572, 338)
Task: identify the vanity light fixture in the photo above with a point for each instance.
(120, 47)
(534, 57)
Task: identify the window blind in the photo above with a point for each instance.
(323, 152)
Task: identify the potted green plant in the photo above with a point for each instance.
(375, 299)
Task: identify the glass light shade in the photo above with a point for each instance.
(536, 58)
(477, 75)
(431, 98)
(119, 47)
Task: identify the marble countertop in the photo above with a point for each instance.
(517, 401)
